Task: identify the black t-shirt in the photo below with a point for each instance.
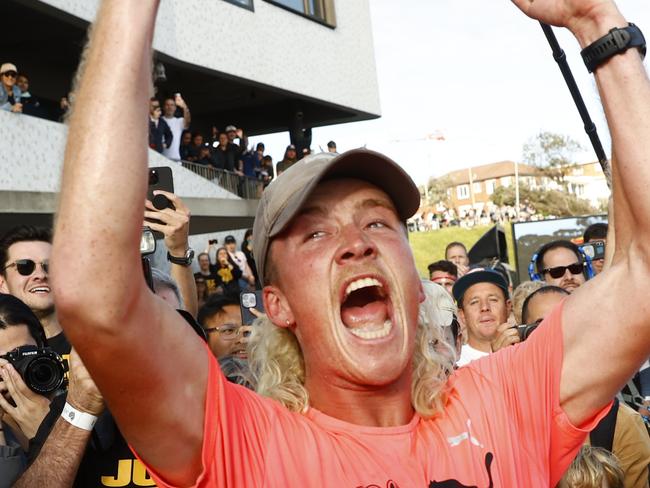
(211, 282)
(228, 278)
(59, 343)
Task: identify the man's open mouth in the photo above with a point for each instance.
(365, 308)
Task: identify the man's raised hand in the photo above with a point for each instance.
(576, 15)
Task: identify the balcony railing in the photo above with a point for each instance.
(243, 186)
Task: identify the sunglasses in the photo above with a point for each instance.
(26, 267)
(558, 271)
(10, 74)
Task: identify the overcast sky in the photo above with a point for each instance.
(477, 72)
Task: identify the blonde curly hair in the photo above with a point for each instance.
(277, 362)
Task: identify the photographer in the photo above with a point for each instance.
(21, 410)
(596, 233)
(60, 457)
(484, 306)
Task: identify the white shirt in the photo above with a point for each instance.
(240, 259)
(469, 354)
(176, 125)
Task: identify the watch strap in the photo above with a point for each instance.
(79, 419)
(184, 261)
(616, 41)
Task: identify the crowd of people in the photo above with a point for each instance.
(356, 371)
(439, 217)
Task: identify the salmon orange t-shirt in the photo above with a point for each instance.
(502, 427)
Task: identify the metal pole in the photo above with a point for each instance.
(590, 127)
(516, 191)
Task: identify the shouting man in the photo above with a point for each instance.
(357, 382)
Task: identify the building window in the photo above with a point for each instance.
(242, 3)
(489, 186)
(462, 192)
(505, 181)
(478, 188)
(320, 10)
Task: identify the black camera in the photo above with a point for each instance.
(526, 329)
(42, 370)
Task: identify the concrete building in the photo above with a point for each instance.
(262, 65)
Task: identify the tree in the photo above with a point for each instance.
(546, 202)
(438, 191)
(552, 153)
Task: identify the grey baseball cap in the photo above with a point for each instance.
(285, 196)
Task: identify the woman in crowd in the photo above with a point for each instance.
(228, 273)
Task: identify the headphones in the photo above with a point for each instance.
(536, 276)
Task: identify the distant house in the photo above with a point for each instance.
(586, 180)
(473, 187)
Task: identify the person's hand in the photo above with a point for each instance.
(64, 104)
(180, 102)
(462, 270)
(17, 108)
(240, 133)
(175, 224)
(573, 14)
(507, 335)
(83, 394)
(256, 313)
(27, 408)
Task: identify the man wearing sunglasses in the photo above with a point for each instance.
(24, 273)
(9, 92)
(560, 264)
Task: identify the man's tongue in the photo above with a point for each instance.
(364, 308)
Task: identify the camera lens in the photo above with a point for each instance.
(153, 177)
(44, 375)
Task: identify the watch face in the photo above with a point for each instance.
(189, 254)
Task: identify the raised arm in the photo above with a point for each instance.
(157, 383)
(175, 225)
(606, 321)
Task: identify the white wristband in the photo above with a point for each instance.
(78, 418)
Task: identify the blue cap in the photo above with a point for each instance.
(478, 276)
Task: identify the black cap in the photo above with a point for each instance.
(229, 240)
(479, 276)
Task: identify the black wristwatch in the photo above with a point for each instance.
(184, 261)
(616, 41)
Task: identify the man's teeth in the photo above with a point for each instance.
(371, 331)
(40, 289)
(362, 283)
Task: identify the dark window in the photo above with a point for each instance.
(242, 3)
(319, 10)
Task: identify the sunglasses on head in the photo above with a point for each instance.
(558, 271)
(10, 74)
(26, 267)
